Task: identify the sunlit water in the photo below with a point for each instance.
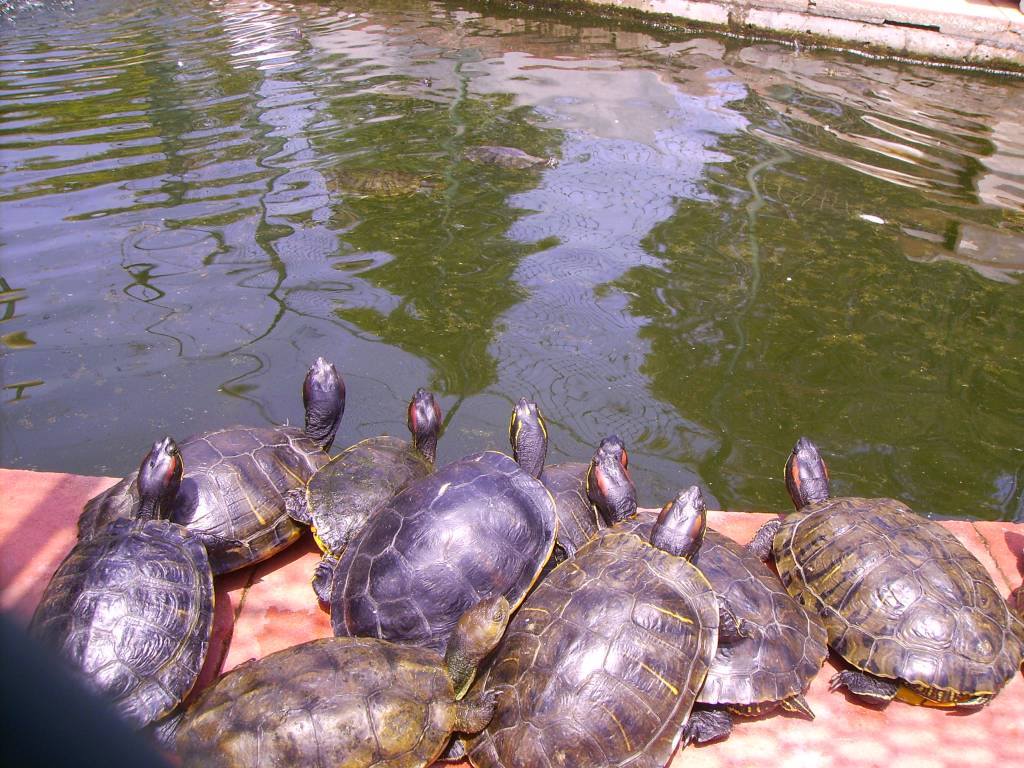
(740, 244)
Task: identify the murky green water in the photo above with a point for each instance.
(741, 243)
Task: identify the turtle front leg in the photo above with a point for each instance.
(761, 545)
(865, 686)
(706, 724)
(323, 576)
(473, 714)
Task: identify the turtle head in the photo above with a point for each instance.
(476, 634)
(806, 474)
(681, 523)
(424, 423)
(159, 479)
(323, 395)
(528, 435)
(610, 487)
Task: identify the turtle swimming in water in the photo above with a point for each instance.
(507, 157)
(904, 602)
(476, 528)
(232, 492)
(378, 182)
(345, 702)
(131, 609)
(601, 664)
(351, 487)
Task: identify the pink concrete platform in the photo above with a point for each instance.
(271, 606)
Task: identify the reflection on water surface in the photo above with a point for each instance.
(740, 244)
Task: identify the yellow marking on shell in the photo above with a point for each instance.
(832, 572)
(625, 735)
(288, 471)
(526, 608)
(252, 506)
(667, 612)
(910, 696)
(662, 680)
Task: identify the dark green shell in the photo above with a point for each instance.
(328, 703)
(131, 611)
(578, 521)
(346, 491)
(787, 644)
(376, 182)
(474, 529)
(899, 595)
(233, 487)
(602, 663)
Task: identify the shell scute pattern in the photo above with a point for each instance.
(600, 667)
(474, 529)
(347, 490)
(330, 702)
(901, 597)
(232, 487)
(787, 644)
(577, 519)
(138, 636)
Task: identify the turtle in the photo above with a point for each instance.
(773, 662)
(905, 604)
(345, 492)
(478, 527)
(232, 493)
(378, 182)
(602, 663)
(345, 702)
(131, 609)
(507, 157)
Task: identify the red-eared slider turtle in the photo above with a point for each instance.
(232, 494)
(780, 651)
(904, 602)
(601, 664)
(351, 487)
(507, 157)
(131, 609)
(377, 182)
(345, 702)
(476, 528)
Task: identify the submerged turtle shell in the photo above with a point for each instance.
(131, 610)
(233, 487)
(507, 157)
(787, 645)
(899, 595)
(602, 663)
(328, 703)
(376, 182)
(346, 491)
(578, 521)
(474, 529)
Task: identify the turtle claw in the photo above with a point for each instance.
(864, 686)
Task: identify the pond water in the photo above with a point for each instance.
(741, 242)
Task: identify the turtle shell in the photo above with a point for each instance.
(233, 488)
(602, 663)
(578, 521)
(787, 644)
(346, 491)
(131, 611)
(476, 528)
(328, 703)
(900, 596)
